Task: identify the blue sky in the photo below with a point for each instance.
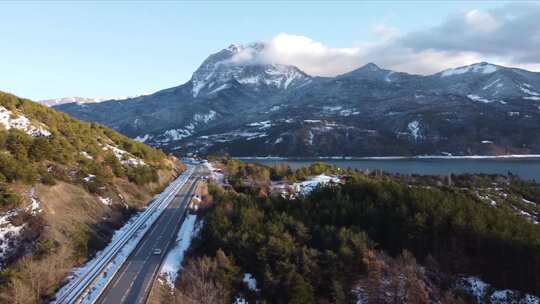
(113, 49)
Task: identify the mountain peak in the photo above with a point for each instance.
(235, 47)
(245, 65)
(371, 67)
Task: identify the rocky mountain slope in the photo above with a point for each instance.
(240, 104)
(65, 186)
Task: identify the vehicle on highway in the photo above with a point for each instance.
(157, 251)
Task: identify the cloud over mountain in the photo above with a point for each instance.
(509, 35)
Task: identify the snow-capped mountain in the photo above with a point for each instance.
(485, 82)
(239, 63)
(63, 100)
(238, 102)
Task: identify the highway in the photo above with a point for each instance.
(132, 283)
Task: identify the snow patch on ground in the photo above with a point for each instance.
(250, 281)
(89, 178)
(220, 88)
(35, 203)
(332, 108)
(107, 201)
(491, 84)
(124, 157)
(9, 235)
(143, 138)
(478, 98)
(86, 155)
(311, 136)
(306, 187)
(234, 135)
(481, 291)
(530, 92)
(205, 117)
(240, 300)
(175, 134)
(414, 129)
(173, 261)
(261, 125)
(10, 120)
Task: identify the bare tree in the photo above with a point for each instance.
(198, 284)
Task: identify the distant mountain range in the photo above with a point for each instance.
(59, 101)
(255, 108)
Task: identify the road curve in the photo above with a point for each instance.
(132, 283)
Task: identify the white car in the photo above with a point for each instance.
(157, 251)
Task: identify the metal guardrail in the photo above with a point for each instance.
(80, 286)
(191, 191)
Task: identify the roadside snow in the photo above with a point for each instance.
(149, 216)
(173, 261)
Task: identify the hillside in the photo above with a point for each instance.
(65, 185)
(362, 238)
(257, 108)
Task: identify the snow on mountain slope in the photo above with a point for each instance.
(237, 87)
(239, 63)
(9, 120)
(63, 100)
(482, 68)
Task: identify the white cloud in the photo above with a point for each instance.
(481, 21)
(311, 56)
(316, 58)
(508, 36)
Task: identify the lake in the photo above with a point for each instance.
(526, 168)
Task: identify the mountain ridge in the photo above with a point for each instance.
(452, 111)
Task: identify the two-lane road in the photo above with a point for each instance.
(133, 282)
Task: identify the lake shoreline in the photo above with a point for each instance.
(461, 157)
